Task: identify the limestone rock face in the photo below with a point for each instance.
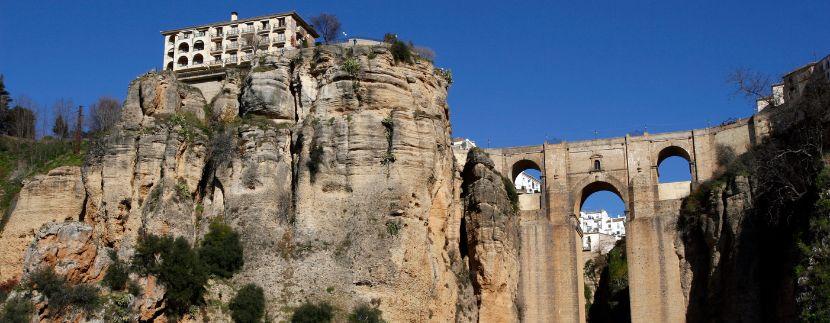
(54, 197)
(267, 92)
(492, 239)
(70, 249)
(719, 250)
(342, 186)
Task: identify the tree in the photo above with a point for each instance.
(62, 109)
(328, 26)
(104, 114)
(221, 250)
(184, 276)
(313, 313)
(21, 119)
(248, 305)
(5, 98)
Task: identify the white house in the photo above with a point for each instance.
(526, 184)
(600, 231)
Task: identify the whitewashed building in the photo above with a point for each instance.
(526, 184)
(600, 231)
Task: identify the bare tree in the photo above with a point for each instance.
(424, 52)
(328, 26)
(22, 118)
(254, 41)
(62, 110)
(753, 85)
(104, 114)
(79, 129)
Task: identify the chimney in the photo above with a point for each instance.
(234, 16)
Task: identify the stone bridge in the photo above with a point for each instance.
(551, 287)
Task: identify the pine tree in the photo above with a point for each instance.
(60, 129)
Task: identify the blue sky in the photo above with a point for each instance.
(524, 71)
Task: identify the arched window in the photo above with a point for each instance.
(170, 53)
(171, 39)
(197, 59)
(182, 61)
(184, 47)
(673, 165)
(199, 45)
(170, 66)
(527, 180)
(597, 165)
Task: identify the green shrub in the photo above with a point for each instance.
(180, 270)
(118, 309)
(511, 192)
(117, 274)
(221, 250)
(313, 313)
(6, 287)
(248, 306)
(60, 294)
(183, 275)
(17, 310)
(446, 73)
(134, 288)
(366, 314)
(401, 52)
(351, 66)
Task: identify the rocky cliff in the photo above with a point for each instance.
(490, 250)
(334, 165)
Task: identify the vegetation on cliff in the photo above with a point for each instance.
(755, 237)
(609, 274)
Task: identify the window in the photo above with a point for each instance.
(184, 47)
(217, 58)
(597, 165)
(171, 39)
(200, 33)
(281, 22)
(170, 53)
(199, 45)
(264, 24)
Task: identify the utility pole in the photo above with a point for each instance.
(79, 128)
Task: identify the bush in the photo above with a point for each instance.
(6, 287)
(60, 294)
(183, 275)
(181, 271)
(221, 250)
(313, 313)
(366, 313)
(248, 305)
(117, 274)
(351, 66)
(511, 193)
(17, 310)
(401, 52)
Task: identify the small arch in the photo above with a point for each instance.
(184, 47)
(597, 165)
(521, 166)
(169, 66)
(198, 59)
(674, 164)
(182, 61)
(171, 39)
(199, 45)
(170, 53)
(527, 179)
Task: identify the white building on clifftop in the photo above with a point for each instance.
(232, 42)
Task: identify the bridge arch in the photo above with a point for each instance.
(523, 165)
(670, 152)
(530, 187)
(589, 186)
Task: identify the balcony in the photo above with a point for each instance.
(216, 62)
(217, 35)
(231, 60)
(232, 46)
(279, 39)
(215, 48)
(264, 29)
(246, 45)
(248, 30)
(279, 27)
(232, 32)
